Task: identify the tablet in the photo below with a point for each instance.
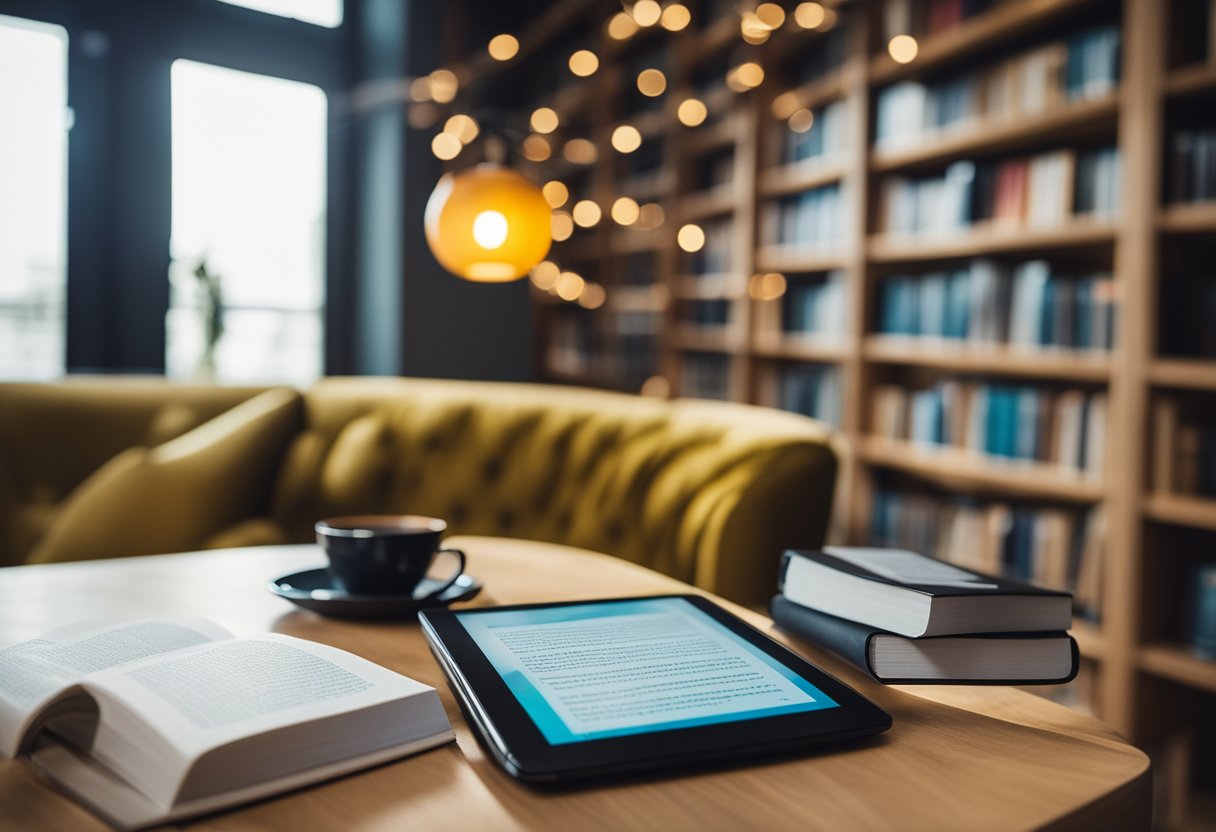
(575, 690)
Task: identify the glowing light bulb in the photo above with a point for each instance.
(446, 146)
(503, 47)
(675, 17)
(584, 63)
(786, 104)
(586, 213)
(691, 112)
(903, 49)
(462, 127)
(580, 151)
(625, 211)
(691, 237)
(647, 12)
(544, 276)
(536, 148)
(444, 85)
(771, 15)
(561, 225)
(569, 286)
(556, 193)
(626, 138)
(802, 120)
(490, 230)
(544, 120)
(809, 15)
(622, 26)
(593, 296)
(651, 82)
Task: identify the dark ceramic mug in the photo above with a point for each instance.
(385, 554)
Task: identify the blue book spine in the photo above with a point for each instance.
(1203, 629)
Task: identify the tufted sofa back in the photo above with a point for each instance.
(707, 492)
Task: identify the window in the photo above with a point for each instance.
(33, 198)
(249, 202)
(321, 12)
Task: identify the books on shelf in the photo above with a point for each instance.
(705, 376)
(1047, 78)
(716, 255)
(997, 659)
(811, 221)
(912, 595)
(1066, 428)
(1057, 548)
(811, 389)
(815, 308)
(711, 313)
(989, 302)
(1188, 315)
(1041, 191)
(825, 139)
(162, 719)
(1202, 613)
(1184, 450)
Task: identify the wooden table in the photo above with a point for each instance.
(956, 758)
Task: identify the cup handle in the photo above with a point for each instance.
(432, 595)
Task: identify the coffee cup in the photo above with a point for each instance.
(385, 554)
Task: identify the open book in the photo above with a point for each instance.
(161, 719)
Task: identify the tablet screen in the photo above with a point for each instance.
(591, 671)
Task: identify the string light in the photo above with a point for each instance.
(809, 15)
(555, 193)
(544, 120)
(569, 286)
(622, 26)
(691, 237)
(675, 17)
(593, 296)
(903, 49)
(754, 30)
(651, 82)
(625, 211)
(746, 76)
(561, 225)
(586, 213)
(626, 138)
(647, 12)
(444, 86)
(802, 120)
(420, 89)
(651, 216)
(584, 63)
(544, 276)
(786, 104)
(580, 151)
(692, 112)
(446, 146)
(503, 47)
(462, 127)
(536, 148)
(767, 286)
(771, 15)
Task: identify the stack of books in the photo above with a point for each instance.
(904, 618)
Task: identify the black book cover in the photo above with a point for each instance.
(851, 641)
(1004, 586)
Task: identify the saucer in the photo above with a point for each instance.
(313, 589)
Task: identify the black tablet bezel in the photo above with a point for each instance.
(516, 742)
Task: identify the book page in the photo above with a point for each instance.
(906, 567)
(34, 672)
(212, 695)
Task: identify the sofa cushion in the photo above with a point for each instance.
(175, 496)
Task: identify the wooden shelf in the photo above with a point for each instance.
(719, 35)
(820, 91)
(711, 203)
(1182, 510)
(1178, 664)
(708, 339)
(883, 248)
(799, 348)
(1190, 80)
(639, 298)
(965, 470)
(1090, 640)
(963, 356)
(802, 176)
(718, 286)
(721, 134)
(981, 32)
(990, 139)
(1193, 218)
(1192, 373)
(634, 240)
(792, 259)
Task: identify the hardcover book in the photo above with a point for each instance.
(914, 595)
(990, 659)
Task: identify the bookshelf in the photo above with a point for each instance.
(1139, 675)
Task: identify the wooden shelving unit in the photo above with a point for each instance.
(1135, 667)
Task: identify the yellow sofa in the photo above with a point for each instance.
(708, 492)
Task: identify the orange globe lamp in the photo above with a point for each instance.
(488, 224)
